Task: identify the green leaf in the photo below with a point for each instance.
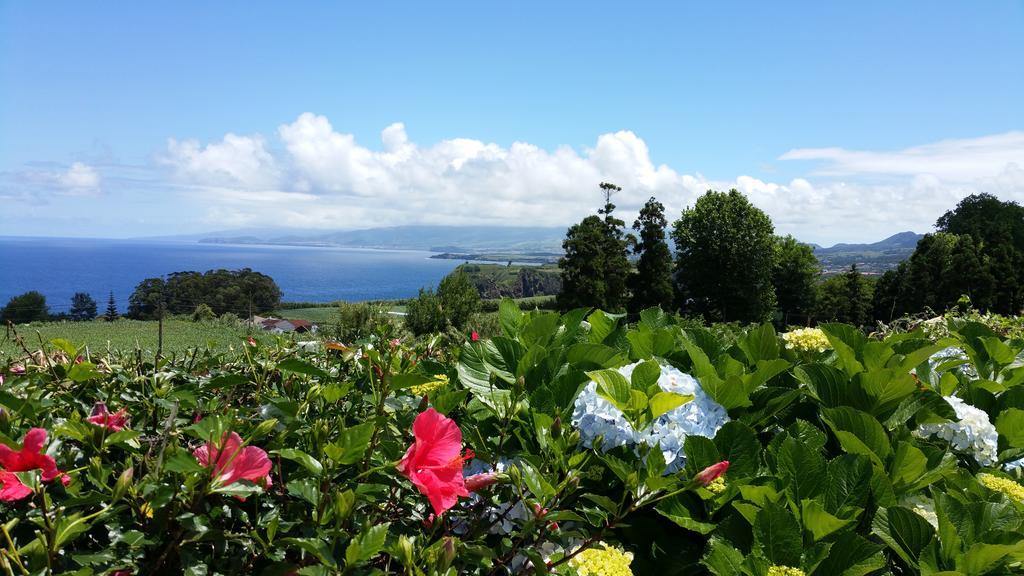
(613, 387)
(366, 545)
(510, 317)
(1010, 425)
(84, 372)
(681, 509)
(909, 464)
(802, 468)
(301, 367)
(315, 546)
(848, 482)
(982, 558)
(308, 462)
(852, 555)
(831, 386)
(761, 343)
(778, 536)
(721, 559)
(351, 444)
(737, 443)
(854, 429)
(903, 531)
(662, 402)
(819, 522)
(645, 375)
(182, 462)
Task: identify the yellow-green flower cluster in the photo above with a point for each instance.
(604, 560)
(1012, 489)
(440, 381)
(806, 340)
(717, 486)
(785, 571)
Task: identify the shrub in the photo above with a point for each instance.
(24, 308)
(203, 313)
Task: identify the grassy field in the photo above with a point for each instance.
(318, 314)
(127, 335)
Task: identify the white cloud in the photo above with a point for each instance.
(79, 179)
(323, 178)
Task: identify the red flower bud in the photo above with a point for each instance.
(481, 481)
(474, 336)
(428, 522)
(711, 473)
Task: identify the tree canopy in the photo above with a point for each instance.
(794, 277)
(83, 307)
(725, 258)
(652, 284)
(235, 291)
(23, 308)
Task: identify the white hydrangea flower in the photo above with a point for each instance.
(923, 507)
(594, 416)
(1014, 465)
(972, 433)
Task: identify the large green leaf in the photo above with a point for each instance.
(778, 536)
(831, 386)
(682, 510)
(302, 367)
(820, 523)
(903, 531)
(721, 559)
(802, 468)
(761, 343)
(1010, 425)
(908, 465)
(848, 482)
(737, 443)
(852, 555)
(510, 317)
(854, 428)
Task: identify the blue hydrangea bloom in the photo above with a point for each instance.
(594, 416)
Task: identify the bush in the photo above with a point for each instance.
(425, 314)
(203, 313)
(360, 320)
(25, 308)
(658, 447)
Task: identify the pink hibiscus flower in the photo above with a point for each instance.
(434, 461)
(30, 457)
(230, 462)
(115, 422)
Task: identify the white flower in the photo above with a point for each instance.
(594, 416)
(1014, 465)
(954, 353)
(972, 433)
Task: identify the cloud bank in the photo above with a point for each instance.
(311, 175)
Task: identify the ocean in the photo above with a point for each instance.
(59, 267)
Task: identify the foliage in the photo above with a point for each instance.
(725, 258)
(459, 298)
(595, 268)
(203, 313)
(83, 307)
(845, 298)
(359, 320)
(425, 313)
(651, 286)
(24, 308)
(495, 281)
(111, 312)
(833, 466)
(236, 291)
(794, 277)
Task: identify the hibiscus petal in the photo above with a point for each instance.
(12, 488)
(438, 438)
(251, 464)
(34, 440)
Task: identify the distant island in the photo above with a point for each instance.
(532, 245)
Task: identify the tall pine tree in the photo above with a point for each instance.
(595, 268)
(652, 284)
(111, 314)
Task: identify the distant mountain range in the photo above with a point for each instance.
(873, 258)
(541, 244)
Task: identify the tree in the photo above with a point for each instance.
(595, 268)
(83, 307)
(424, 314)
(845, 298)
(27, 307)
(725, 256)
(617, 269)
(652, 284)
(236, 291)
(111, 314)
(583, 283)
(459, 298)
(794, 277)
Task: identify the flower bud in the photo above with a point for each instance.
(124, 482)
(481, 481)
(709, 474)
(424, 402)
(556, 427)
(449, 551)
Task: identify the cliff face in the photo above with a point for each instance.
(497, 281)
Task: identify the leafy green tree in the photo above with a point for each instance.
(24, 308)
(652, 284)
(794, 277)
(236, 291)
(886, 302)
(111, 314)
(725, 257)
(583, 283)
(596, 268)
(459, 297)
(83, 307)
(425, 313)
(203, 313)
(147, 300)
(845, 298)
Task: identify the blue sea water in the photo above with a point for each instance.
(59, 267)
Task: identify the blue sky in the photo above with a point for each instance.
(142, 119)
